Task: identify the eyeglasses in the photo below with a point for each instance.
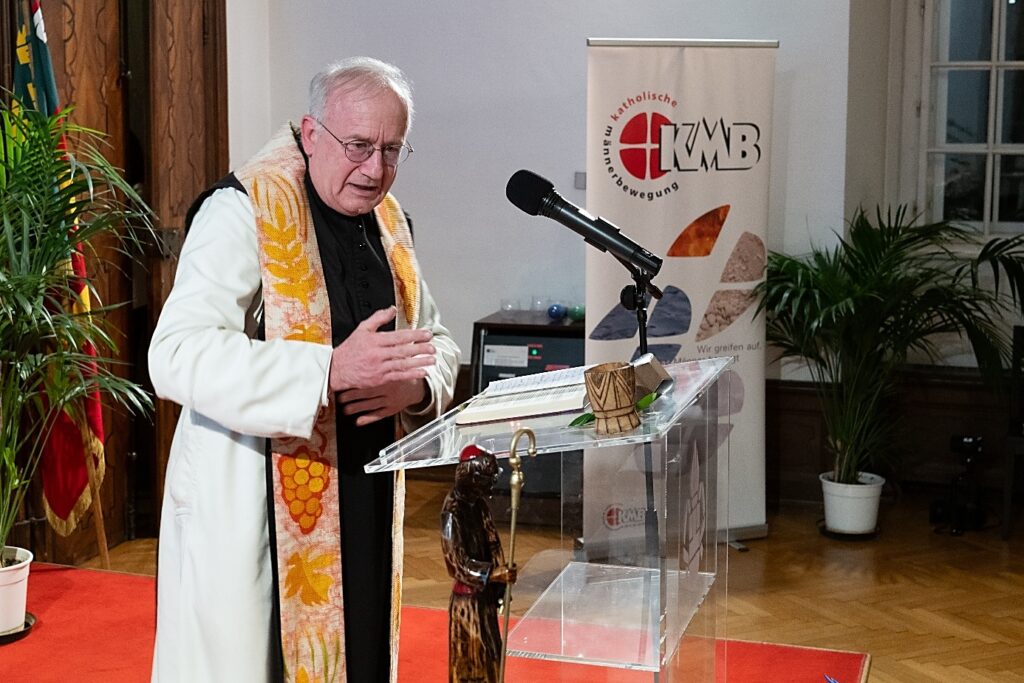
(358, 151)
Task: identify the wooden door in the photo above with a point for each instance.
(188, 146)
(151, 74)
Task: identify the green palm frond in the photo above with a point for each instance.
(57, 193)
(854, 312)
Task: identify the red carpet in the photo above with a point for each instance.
(90, 626)
(423, 656)
(96, 626)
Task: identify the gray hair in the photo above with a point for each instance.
(359, 73)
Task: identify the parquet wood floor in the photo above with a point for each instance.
(926, 606)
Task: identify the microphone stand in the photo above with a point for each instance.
(634, 297)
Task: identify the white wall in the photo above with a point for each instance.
(499, 87)
(867, 107)
(249, 91)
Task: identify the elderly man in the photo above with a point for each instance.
(298, 327)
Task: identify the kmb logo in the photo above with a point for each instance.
(617, 516)
(650, 145)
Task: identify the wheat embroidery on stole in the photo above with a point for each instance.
(305, 488)
(304, 471)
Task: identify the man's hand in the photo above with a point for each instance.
(370, 358)
(376, 403)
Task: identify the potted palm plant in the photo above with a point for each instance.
(853, 313)
(57, 194)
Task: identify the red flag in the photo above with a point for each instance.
(64, 468)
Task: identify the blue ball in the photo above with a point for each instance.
(556, 311)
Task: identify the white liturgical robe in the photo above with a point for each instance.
(215, 580)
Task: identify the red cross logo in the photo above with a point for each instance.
(641, 141)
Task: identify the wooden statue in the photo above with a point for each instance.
(473, 555)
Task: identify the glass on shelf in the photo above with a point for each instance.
(509, 307)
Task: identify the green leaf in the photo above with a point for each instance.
(52, 200)
(586, 418)
(582, 420)
(646, 401)
(855, 312)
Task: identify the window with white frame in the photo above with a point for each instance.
(973, 132)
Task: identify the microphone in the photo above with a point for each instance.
(537, 196)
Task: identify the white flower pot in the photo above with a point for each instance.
(13, 589)
(852, 508)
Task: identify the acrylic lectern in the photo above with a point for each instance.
(631, 569)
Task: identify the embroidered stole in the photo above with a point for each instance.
(305, 485)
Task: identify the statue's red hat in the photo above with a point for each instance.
(471, 451)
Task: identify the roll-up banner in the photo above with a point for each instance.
(678, 148)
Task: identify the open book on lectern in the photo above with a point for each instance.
(544, 393)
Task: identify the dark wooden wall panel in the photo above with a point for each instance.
(188, 143)
(932, 404)
(87, 63)
(7, 22)
(936, 406)
(794, 442)
(178, 112)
